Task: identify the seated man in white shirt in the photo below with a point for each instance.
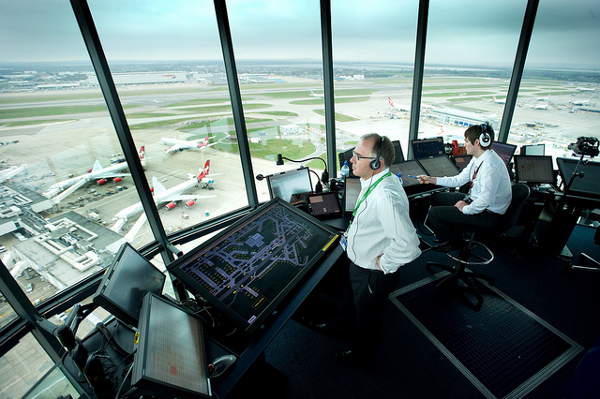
(487, 200)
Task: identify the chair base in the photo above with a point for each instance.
(586, 258)
(458, 274)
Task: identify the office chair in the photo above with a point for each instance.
(585, 258)
(477, 253)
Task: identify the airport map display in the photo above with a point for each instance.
(249, 268)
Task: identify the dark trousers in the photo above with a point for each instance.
(363, 299)
(448, 222)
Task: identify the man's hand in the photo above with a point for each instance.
(460, 205)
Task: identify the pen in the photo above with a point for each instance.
(414, 177)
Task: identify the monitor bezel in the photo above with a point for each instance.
(577, 190)
(440, 140)
(545, 158)
(139, 376)
(232, 316)
(451, 164)
(406, 180)
(507, 146)
(288, 172)
(109, 304)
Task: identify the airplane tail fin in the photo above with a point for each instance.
(390, 101)
(203, 143)
(97, 166)
(204, 171)
(158, 187)
(142, 152)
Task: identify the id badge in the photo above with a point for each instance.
(344, 241)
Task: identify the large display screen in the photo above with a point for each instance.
(247, 269)
(439, 166)
(535, 169)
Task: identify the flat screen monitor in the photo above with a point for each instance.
(398, 151)
(352, 189)
(290, 185)
(589, 184)
(170, 356)
(125, 282)
(505, 151)
(534, 169)
(428, 147)
(439, 166)
(533, 149)
(248, 269)
(408, 168)
(346, 156)
(462, 161)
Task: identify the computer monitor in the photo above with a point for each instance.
(324, 206)
(408, 168)
(170, 356)
(352, 189)
(428, 147)
(290, 185)
(398, 151)
(346, 156)
(248, 268)
(504, 150)
(588, 185)
(533, 149)
(125, 282)
(462, 161)
(439, 166)
(534, 169)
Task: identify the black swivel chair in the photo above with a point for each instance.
(477, 253)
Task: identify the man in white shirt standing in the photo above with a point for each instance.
(487, 200)
(380, 239)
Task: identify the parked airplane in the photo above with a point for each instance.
(98, 173)
(312, 93)
(581, 102)
(499, 101)
(180, 145)
(171, 196)
(587, 88)
(398, 107)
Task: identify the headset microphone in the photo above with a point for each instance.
(376, 163)
(484, 139)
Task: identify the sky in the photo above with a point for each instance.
(460, 32)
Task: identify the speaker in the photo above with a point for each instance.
(376, 163)
(484, 138)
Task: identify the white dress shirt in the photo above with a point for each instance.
(491, 184)
(382, 226)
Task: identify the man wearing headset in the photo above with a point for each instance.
(380, 239)
(488, 197)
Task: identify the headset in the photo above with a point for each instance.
(484, 139)
(376, 163)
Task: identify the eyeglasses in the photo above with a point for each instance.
(359, 157)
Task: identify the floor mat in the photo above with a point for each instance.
(503, 349)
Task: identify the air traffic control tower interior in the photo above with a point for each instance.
(173, 197)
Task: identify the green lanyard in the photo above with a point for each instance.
(371, 188)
